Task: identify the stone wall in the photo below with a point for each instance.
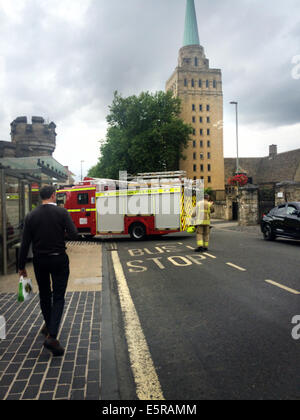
(248, 205)
(287, 191)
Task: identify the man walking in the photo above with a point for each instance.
(202, 213)
(45, 228)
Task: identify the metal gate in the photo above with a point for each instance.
(266, 198)
(235, 210)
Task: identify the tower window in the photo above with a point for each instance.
(208, 143)
(194, 143)
(208, 119)
(194, 155)
(214, 84)
(201, 156)
(208, 155)
(193, 83)
(200, 119)
(194, 168)
(201, 131)
(207, 107)
(208, 132)
(208, 167)
(194, 132)
(196, 61)
(193, 107)
(201, 143)
(200, 108)
(200, 83)
(207, 83)
(193, 119)
(209, 179)
(201, 168)
(185, 82)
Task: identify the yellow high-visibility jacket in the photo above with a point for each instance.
(202, 213)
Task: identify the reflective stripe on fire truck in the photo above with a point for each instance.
(137, 192)
(79, 210)
(76, 189)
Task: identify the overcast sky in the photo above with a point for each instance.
(63, 59)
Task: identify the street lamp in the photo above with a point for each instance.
(81, 162)
(237, 135)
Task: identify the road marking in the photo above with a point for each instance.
(145, 376)
(209, 255)
(295, 292)
(236, 266)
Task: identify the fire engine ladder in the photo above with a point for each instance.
(161, 175)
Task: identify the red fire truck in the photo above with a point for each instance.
(137, 207)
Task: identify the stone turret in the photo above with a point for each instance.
(38, 138)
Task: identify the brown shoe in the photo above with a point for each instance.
(54, 346)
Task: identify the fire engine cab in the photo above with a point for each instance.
(150, 204)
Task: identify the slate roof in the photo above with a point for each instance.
(282, 167)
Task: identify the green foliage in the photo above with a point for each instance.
(145, 134)
(208, 191)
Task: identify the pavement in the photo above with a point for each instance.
(28, 371)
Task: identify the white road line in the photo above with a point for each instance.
(209, 255)
(145, 376)
(295, 292)
(236, 266)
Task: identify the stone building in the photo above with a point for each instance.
(27, 140)
(200, 89)
(272, 169)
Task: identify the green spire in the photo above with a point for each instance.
(191, 35)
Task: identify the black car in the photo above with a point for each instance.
(283, 220)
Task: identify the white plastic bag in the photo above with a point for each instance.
(25, 289)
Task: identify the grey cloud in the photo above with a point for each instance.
(133, 46)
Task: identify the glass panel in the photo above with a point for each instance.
(27, 199)
(13, 228)
(83, 198)
(1, 238)
(61, 199)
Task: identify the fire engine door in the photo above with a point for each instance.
(86, 216)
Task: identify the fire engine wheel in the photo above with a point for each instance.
(137, 231)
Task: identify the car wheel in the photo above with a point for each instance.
(138, 231)
(268, 233)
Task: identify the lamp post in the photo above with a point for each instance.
(81, 162)
(237, 135)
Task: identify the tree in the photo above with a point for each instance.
(145, 134)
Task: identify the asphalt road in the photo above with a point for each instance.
(210, 324)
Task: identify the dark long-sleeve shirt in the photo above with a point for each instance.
(45, 228)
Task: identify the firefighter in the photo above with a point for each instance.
(202, 214)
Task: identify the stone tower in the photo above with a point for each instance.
(36, 139)
(200, 89)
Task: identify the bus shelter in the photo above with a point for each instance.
(17, 176)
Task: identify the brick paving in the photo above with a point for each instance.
(28, 371)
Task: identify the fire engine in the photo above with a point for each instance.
(149, 204)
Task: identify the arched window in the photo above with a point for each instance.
(196, 61)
